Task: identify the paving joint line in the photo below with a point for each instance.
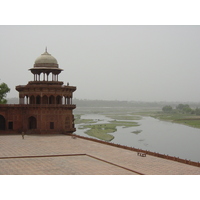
(42, 156)
(115, 164)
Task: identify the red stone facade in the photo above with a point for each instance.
(45, 106)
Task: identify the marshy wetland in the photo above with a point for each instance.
(147, 131)
(102, 130)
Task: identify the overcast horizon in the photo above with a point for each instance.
(125, 63)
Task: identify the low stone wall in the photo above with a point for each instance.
(197, 164)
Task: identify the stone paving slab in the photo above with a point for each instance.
(65, 165)
(15, 146)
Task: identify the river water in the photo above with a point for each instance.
(157, 136)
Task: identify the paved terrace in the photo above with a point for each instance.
(60, 155)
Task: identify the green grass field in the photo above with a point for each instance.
(78, 120)
(185, 119)
(189, 122)
(101, 131)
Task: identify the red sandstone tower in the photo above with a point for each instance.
(45, 104)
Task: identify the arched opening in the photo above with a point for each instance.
(54, 77)
(58, 100)
(45, 100)
(51, 99)
(26, 99)
(38, 100)
(32, 100)
(2, 123)
(63, 100)
(68, 100)
(32, 123)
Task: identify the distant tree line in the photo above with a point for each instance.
(181, 108)
(115, 103)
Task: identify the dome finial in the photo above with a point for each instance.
(46, 50)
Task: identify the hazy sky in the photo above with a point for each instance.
(141, 63)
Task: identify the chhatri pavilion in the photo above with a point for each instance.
(45, 104)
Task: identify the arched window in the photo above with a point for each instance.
(2, 123)
(38, 100)
(32, 100)
(51, 99)
(58, 100)
(27, 99)
(32, 122)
